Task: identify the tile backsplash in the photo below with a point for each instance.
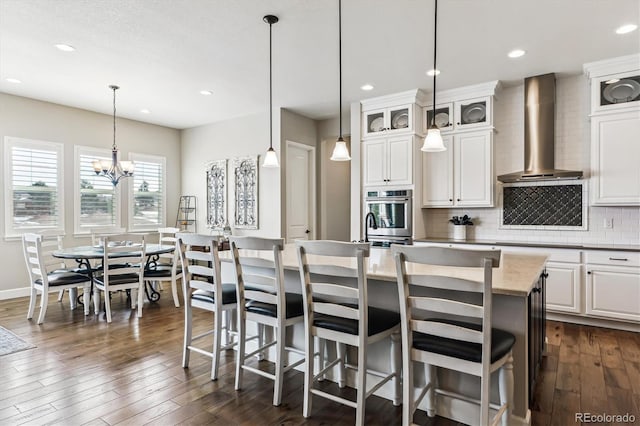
(571, 152)
(543, 205)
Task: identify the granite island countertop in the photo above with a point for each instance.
(516, 276)
(539, 244)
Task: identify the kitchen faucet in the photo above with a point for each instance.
(370, 217)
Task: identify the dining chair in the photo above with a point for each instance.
(336, 308)
(123, 265)
(203, 289)
(262, 299)
(98, 235)
(444, 325)
(37, 255)
(167, 268)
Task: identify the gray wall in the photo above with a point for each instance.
(226, 140)
(30, 119)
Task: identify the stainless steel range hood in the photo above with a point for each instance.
(539, 133)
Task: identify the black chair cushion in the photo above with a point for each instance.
(501, 343)
(163, 271)
(118, 279)
(379, 321)
(63, 278)
(293, 303)
(228, 294)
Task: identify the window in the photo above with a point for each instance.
(33, 186)
(97, 200)
(148, 199)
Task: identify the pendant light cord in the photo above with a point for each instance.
(114, 88)
(435, 70)
(340, 64)
(270, 93)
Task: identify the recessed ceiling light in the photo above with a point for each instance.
(366, 87)
(516, 53)
(432, 72)
(13, 80)
(145, 111)
(613, 80)
(65, 47)
(626, 29)
(206, 92)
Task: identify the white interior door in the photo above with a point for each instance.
(300, 195)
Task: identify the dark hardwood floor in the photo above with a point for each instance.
(84, 371)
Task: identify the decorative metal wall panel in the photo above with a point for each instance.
(551, 205)
(217, 194)
(245, 174)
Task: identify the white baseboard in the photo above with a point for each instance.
(596, 322)
(14, 293)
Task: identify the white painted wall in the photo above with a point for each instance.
(31, 119)
(225, 140)
(571, 153)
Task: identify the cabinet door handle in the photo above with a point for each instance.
(623, 259)
(458, 199)
(588, 272)
(450, 199)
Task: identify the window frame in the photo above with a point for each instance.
(95, 152)
(147, 158)
(10, 231)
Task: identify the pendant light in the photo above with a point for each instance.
(340, 151)
(113, 170)
(271, 159)
(433, 142)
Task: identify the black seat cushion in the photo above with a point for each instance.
(63, 278)
(163, 271)
(118, 279)
(501, 343)
(293, 303)
(228, 294)
(379, 321)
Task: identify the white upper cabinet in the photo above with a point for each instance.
(461, 176)
(387, 121)
(615, 84)
(396, 114)
(615, 159)
(615, 131)
(388, 161)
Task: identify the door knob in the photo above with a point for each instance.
(306, 231)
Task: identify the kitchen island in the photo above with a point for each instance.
(518, 307)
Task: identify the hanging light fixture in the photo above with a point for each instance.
(433, 142)
(340, 151)
(271, 159)
(113, 170)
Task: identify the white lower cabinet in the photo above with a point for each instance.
(564, 288)
(613, 285)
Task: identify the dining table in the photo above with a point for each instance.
(83, 255)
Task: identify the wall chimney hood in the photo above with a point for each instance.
(539, 133)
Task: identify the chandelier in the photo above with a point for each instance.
(113, 170)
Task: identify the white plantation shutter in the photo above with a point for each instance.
(33, 186)
(147, 202)
(97, 200)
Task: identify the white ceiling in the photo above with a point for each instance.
(163, 52)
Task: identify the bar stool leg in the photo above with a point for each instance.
(280, 360)
(260, 355)
(505, 385)
(341, 350)
(361, 385)
(430, 375)
(396, 360)
(321, 356)
(188, 318)
(308, 373)
(217, 327)
(242, 334)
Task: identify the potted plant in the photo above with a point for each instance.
(460, 224)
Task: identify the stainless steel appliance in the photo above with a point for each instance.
(388, 217)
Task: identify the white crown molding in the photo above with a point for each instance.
(612, 66)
